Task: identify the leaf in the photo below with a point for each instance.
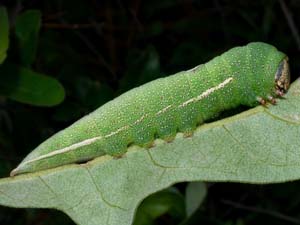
(27, 29)
(260, 145)
(4, 33)
(167, 201)
(195, 194)
(26, 86)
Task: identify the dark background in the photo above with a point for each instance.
(100, 49)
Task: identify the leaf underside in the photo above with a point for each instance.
(260, 145)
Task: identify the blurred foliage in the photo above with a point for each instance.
(4, 36)
(27, 28)
(92, 51)
(168, 202)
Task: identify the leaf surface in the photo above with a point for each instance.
(260, 145)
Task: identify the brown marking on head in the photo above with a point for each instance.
(282, 77)
(279, 93)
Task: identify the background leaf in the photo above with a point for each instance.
(169, 201)
(4, 33)
(29, 87)
(107, 190)
(195, 194)
(27, 28)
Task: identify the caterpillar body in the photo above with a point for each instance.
(246, 75)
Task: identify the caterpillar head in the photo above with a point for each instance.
(282, 77)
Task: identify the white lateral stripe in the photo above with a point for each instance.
(163, 110)
(80, 144)
(117, 131)
(77, 145)
(140, 119)
(207, 92)
(66, 149)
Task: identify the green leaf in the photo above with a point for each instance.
(260, 145)
(194, 196)
(4, 33)
(27, 30)
(26, 86)
(167, 201)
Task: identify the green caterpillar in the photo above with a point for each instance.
(246, 75)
